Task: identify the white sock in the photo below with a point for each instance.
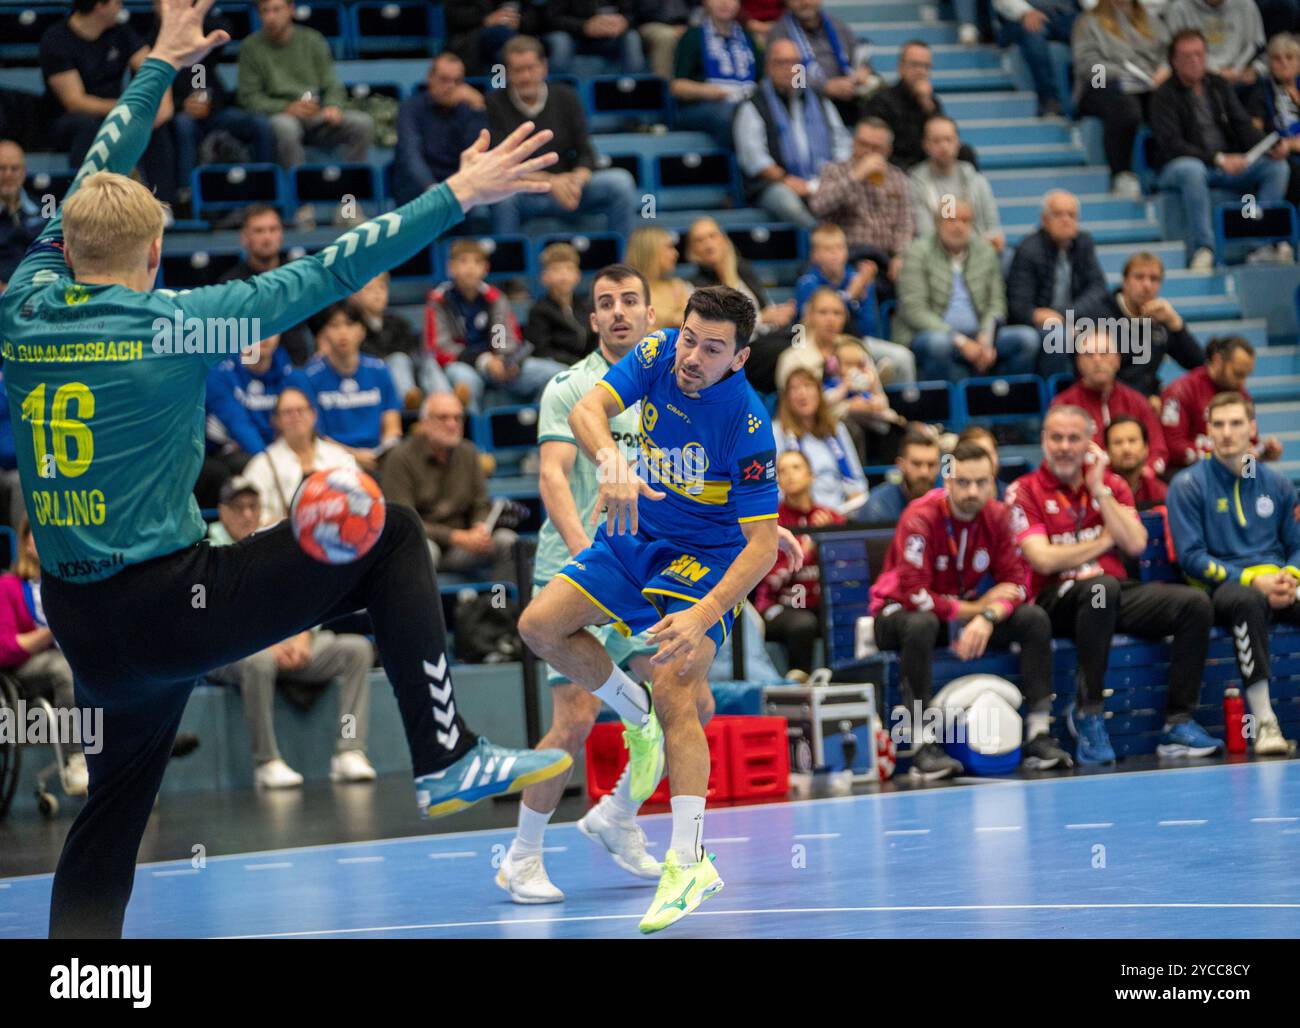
(1036, 724)
(629, 699)
(688, 829)
(619, 804)
(1260, 705)
(532, 826)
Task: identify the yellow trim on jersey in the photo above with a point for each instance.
(619, 623)
(649, 593)
(714, 494)
(614, 393)
(756, 517)
(1292, 570)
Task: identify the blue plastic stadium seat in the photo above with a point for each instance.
(612, 100)
(21, 28)
(1002, 398)
(508, 257)
(929, 402)
(329, 183)
(1060, 382)
(224, 187)
(695, 179)
(595, 249)
(48, 183)
(507, 431)
(327, 18)
(196, 268)
(1276, 223)
(403, 28)
(770, 244)
(632, 163)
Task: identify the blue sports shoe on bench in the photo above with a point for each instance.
(1187, 739)
(1094, 744)
(486, 770)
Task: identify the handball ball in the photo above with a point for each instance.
(337, 515)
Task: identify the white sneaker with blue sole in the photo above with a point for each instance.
(486, 770)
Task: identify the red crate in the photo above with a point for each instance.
(606, 758)
(758, 751)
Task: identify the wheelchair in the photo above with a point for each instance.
(11, 692)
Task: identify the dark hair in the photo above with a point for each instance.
(345, 307)
(969, 449)
(940, 117)
(1228, 399)
(1179, 36)
(914, 437)
(256, 210)
(972, 433)
(85, 6)
(1126, 419)
(722, 303)
(913, 42)
(1226, 346)
(621, 273)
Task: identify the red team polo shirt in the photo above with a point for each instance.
(1041, 504)
(1122, 400)
(936, 560)
(1182, 412)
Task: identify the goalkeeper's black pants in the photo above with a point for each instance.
(139, 641)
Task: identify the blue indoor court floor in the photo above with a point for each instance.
(1184, 853)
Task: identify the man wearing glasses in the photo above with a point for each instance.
(436, 470)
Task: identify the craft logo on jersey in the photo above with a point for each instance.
(647, 351)
(687, 568)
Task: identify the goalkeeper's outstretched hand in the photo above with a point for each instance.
(181, 40)
(489, 175)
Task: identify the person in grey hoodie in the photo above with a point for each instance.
(1119, 60)
(1234, 36)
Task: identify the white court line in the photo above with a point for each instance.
(998, 828)
(4, 885)
(453, 855)
(277, 866)
(176, 871)
(945, 908)
(818, 835)
(734, 838)
(1094, 824)
(359, 860)
(555, 849)
(908, 831)
(1190, 821)
(1272, 769)
(1273, 820)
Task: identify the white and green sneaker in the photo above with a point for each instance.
(682, 888)
(486, 770)
(645, 744)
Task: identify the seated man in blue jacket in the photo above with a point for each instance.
(1233, 521)
(241, 398)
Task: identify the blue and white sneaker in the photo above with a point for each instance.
(486, 770)
(1094, 744)
(1187, 739)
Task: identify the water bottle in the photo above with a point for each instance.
(849, 744)
(1234, 714)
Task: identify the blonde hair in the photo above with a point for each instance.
(726, 271)
(108, 223)
(643, 248)
(827, 230)
(1108, 15)
(1284, 43)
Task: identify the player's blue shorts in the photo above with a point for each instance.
(621, 648)
(638, 580)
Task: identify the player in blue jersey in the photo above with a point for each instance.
(677, 565)
(108, 430)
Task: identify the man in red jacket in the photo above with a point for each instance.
(946, 545)
(1099, 392)
(1128, 448)
(1229, 361)
(1075, 522)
